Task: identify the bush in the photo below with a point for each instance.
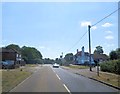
(112, 66)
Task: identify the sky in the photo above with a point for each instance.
(55, 27)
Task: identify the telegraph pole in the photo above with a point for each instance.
(89, 47)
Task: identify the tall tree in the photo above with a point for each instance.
(69, 57)
(113, 55)
(99, 50)
(30, 53)
(118, 53)
(14, 46)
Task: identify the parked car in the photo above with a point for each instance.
(55, 65)
(9, 64)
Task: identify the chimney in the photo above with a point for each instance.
(77, 50)
(83, 49)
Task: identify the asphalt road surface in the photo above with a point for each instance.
(49, 79)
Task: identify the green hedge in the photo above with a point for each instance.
(112, 66)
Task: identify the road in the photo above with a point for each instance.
(48, 79)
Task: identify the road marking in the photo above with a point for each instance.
(66, 88)
(58, 77)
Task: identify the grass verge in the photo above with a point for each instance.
(11, 78)
(31, 65)
(109, 78)
(78, 67)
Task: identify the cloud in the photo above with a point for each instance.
(107, 25)
(85, 23)
(94, 27)
(109, 37)
(109, 32)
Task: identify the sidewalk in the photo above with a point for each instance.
(105, 77)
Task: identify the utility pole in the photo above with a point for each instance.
(62, 54)
(89, 48)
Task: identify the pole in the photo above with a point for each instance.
(98, 68)
(89, 47)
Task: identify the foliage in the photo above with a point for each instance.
(30, 54)
(14, 46)
(112, 66)
(99, 50)
(115, 54)
(69, 57)
(48, 61)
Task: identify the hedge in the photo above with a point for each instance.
(112, 66)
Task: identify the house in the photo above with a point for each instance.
(82, 58)
(11, 55)
(100, 57)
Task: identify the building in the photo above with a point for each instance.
(100, 57)
(82, 58)
(11, 55)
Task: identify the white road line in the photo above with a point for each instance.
(58, 77)
(66, 88)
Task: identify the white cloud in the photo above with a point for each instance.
(107, 25)
(109, 32)
(85, 23)
(109, 37)
(94, 27)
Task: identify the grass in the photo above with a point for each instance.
(78, 66)
(109, 78)
(11, 78)
(31, 65)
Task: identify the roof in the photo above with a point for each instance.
(100, 56)
(80, 53)
(8, 50)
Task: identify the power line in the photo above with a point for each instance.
(105, 17)
(78, 41)
(92, 26)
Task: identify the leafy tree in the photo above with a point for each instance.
(118, 53)
(99, 50)
(115, 54)
(69, 57)
(30, 53)
(14, 46)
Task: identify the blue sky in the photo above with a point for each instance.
(53, 28)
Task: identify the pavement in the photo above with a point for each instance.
(90, 74)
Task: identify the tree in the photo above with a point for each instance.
(113, 55)
(69, 57)
(99, 50)
(118, 53)
(14, 46)
(30, 54)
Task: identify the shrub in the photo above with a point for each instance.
(112, 66)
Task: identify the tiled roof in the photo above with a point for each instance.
(100, 56)
(80, 53)
(8, 50)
